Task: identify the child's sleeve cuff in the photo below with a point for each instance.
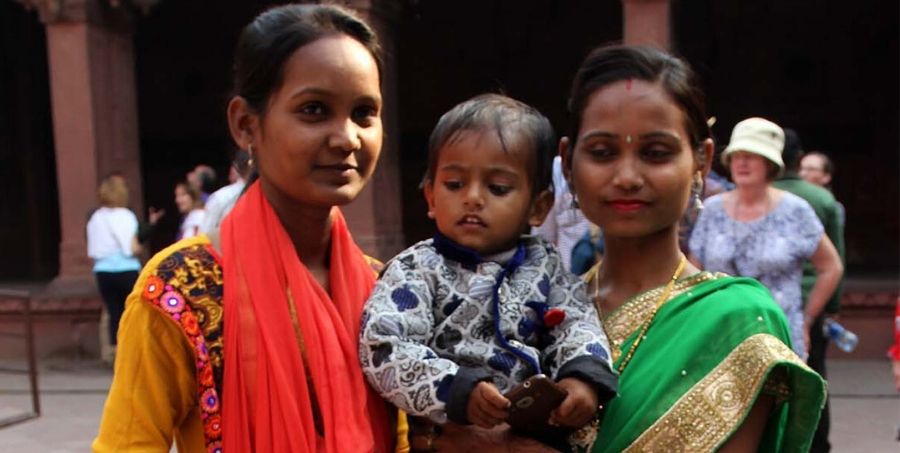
(594, 372)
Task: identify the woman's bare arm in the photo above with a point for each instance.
(829, 270)
(746, 438)
(136, 247)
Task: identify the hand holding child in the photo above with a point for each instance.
(487, 407)
(578, 408)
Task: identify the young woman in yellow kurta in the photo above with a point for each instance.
(246, 340)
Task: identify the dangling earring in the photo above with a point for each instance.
(697, 192)
(571, 190)
(250, 152)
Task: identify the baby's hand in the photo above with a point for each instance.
(578, 408)
(487, 407)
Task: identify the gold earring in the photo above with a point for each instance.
(250, 152)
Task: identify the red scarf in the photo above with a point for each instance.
(267, 405)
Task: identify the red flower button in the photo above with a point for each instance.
(553, 317)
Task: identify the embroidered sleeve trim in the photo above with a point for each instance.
(706, 416)
(187, 288)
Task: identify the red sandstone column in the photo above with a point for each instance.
(376, 217)
(75, 138)
(91, 65)
(646, 22)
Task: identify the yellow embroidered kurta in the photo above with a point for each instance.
(159, 401)
(153, 399)
(164, 386)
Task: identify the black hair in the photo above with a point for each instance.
(793, 150)
(273, 36)
(514, 122)
(606, 65)
(773, 171)
(207, 177)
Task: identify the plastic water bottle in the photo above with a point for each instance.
(842, 338)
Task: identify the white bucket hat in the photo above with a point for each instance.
(757, 136)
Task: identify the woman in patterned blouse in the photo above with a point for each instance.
(766, 233)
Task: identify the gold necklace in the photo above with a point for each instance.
(667, 291)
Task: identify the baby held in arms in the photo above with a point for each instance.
(458, 321)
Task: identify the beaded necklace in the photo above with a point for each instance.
(663, 297)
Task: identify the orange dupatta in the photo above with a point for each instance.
(267, 405)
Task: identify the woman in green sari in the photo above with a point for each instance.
(704, 359)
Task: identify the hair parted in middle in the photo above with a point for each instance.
(266, 44)
(610, 64)
(516, 124)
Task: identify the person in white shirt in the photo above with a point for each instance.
(188, 202)
(565, 224)
(112, 244)
(219, 204)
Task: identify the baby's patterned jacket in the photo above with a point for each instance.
(429, 332)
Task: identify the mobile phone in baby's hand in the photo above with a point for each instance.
(532, 401)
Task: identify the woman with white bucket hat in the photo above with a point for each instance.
(762, 232)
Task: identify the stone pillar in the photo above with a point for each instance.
(646, 22)
(91, 63)
(376, 217)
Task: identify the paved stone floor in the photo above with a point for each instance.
(72, 396)
(865, 407)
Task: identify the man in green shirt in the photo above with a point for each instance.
(826, 208)
(816, 168)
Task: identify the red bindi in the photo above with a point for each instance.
(628, 85)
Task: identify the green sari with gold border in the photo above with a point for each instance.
(712, 349)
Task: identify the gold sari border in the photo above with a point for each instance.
(707, 415)
(624, 321)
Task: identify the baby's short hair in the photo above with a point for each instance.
(513, 121)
